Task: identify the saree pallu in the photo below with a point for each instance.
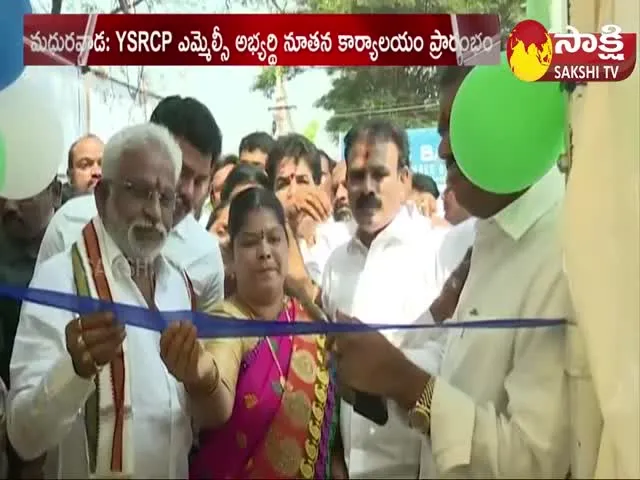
(275, 431)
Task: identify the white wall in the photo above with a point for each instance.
(110, 106)
(68, 94)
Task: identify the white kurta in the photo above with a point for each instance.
(455, 244)
(500, 407)
(46, 402)
(188, 245)
(391, 282)
(329, 236)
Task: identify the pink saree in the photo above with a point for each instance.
(275, 432)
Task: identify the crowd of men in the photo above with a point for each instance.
(373, 247)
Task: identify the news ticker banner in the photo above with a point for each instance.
(260, 40)
(328, 40)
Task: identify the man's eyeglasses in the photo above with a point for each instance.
(144, 192)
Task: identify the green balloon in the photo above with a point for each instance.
(506, 134)
(3, 160)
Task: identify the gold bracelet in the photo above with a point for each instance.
(420, 414)
(429, 389)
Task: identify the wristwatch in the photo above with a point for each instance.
(420, 414)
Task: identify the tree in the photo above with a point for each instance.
(266, 81)
(406, 95)
(311, 130)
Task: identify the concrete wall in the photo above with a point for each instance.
(602, 240)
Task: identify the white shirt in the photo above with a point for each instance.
(188, 246)
(438, 231)
(455, 243)
(47, 397)
(391, 282)
(207, 210)
(500, 407)
(329, 236)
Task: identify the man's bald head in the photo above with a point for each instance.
(84, 163)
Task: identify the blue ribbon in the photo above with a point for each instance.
(213, 326)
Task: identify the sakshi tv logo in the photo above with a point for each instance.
(536, 55)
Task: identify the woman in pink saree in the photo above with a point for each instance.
(279, 416)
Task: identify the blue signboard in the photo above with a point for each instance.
(423, 154)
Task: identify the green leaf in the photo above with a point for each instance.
(311, 130)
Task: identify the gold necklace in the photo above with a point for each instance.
(282, 380)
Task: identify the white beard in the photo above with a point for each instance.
(126, 239)
(145, 252)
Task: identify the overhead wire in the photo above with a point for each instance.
(427, 106)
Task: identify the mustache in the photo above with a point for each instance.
(341, 203)
(369, 201)
(12, 217)
(341, 209)
(159, 227)
(180, 204)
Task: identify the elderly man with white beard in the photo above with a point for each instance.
(88, 384)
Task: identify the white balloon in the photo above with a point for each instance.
(33, 135)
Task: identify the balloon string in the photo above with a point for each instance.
(212, 326)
